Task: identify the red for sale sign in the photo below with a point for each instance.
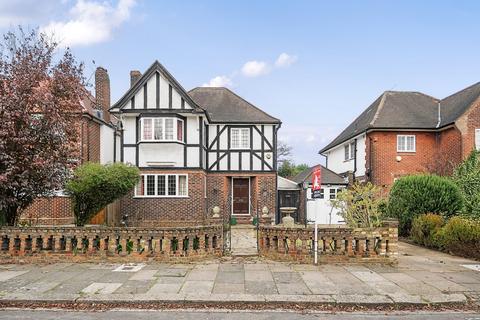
(316, 182)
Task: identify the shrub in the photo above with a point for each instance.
(94, 186)
(420, 194)
(425, 228)
(461, 236)
(467, 177)
(360, 206)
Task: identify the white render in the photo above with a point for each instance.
(106, 145)
(336, 157)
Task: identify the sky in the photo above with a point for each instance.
(316, 65)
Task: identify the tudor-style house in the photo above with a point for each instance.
(404, 133)
(196, 150)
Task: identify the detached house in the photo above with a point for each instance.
(196, 150)
(403, 133)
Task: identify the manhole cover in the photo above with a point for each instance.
(475, 267)
(129, 268)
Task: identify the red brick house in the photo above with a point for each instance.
(196, 150)
(97, 135)
(403, 133)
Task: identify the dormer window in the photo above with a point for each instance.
(162, 129)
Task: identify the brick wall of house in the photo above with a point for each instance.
(165, 212)
(49, 211)
(467, 124)
(90, 140)
(383, 163)
(449, 152)
(263, 193)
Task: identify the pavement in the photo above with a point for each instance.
(422, 277)
(231, 315)
(243, 240)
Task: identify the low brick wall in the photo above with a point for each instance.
(335, 244)
(52, 244)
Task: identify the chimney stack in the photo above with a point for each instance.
(102, 92)
(134, 76)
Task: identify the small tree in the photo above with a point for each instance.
(94, 186)
(467, 177)
(289, 169)
(413, 195)
(284, 152)
(39, 107)
(361, 205)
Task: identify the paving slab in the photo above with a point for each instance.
(172, 272)
(144, 275)
(199, 287)
(230, 288)
(293, 288)
(230, 277)
(165, 288)
(101, 288)
(201, 275)
(260, 287)
(7, 275)
(258, 275)
(134, 287)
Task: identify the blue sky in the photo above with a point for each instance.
(338, 56)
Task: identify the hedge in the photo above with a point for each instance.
(413, 195)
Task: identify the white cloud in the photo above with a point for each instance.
(91, 22)
(219, 81)
(285, 60)
(13, 13)
(255, 68)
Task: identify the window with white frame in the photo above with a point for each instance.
(349, 150)
(162, 185)
(240, 138)
(477, 139)
(333, 193)
(162, 129)
(406, 143)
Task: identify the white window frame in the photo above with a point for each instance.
(477, 139)
(349, 151)
(239, 132)
(166, 195)
(405, 137)
(163, 121)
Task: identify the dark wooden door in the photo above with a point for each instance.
(241, 196)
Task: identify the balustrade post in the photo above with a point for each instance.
(57, 246)
(11, 244)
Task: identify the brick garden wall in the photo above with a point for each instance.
(80, 244)
(335, 244)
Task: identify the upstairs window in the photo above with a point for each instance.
(349, 151)
(162, 129)
(477, 139)
(240, 138)
(406, 143)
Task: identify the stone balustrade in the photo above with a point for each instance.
(335, 243)
(56, 243)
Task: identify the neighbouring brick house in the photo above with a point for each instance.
(403, 133)
(196, 150)
(96, 143)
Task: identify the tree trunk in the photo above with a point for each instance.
(11, 215)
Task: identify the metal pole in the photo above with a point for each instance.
(315, 243)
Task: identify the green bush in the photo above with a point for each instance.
(413, 195)
(425, 228)
(360, 205)
(461, 236)
(467, 177)
(94, 186)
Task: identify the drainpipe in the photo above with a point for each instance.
(354, 160)
(439, 115)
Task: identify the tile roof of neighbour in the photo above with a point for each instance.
(408, 110)
(223, 105)
(328, 176)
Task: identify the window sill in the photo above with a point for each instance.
(161, 197)
(406, 152)
(160, 141)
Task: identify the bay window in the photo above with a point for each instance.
(162, 185)
(161, 129)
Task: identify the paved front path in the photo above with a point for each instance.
(422, 276)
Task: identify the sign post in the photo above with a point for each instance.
(316, 192)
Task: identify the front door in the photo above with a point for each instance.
(241, 196)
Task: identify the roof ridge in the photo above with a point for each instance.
(470, 86)
(379, 108)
